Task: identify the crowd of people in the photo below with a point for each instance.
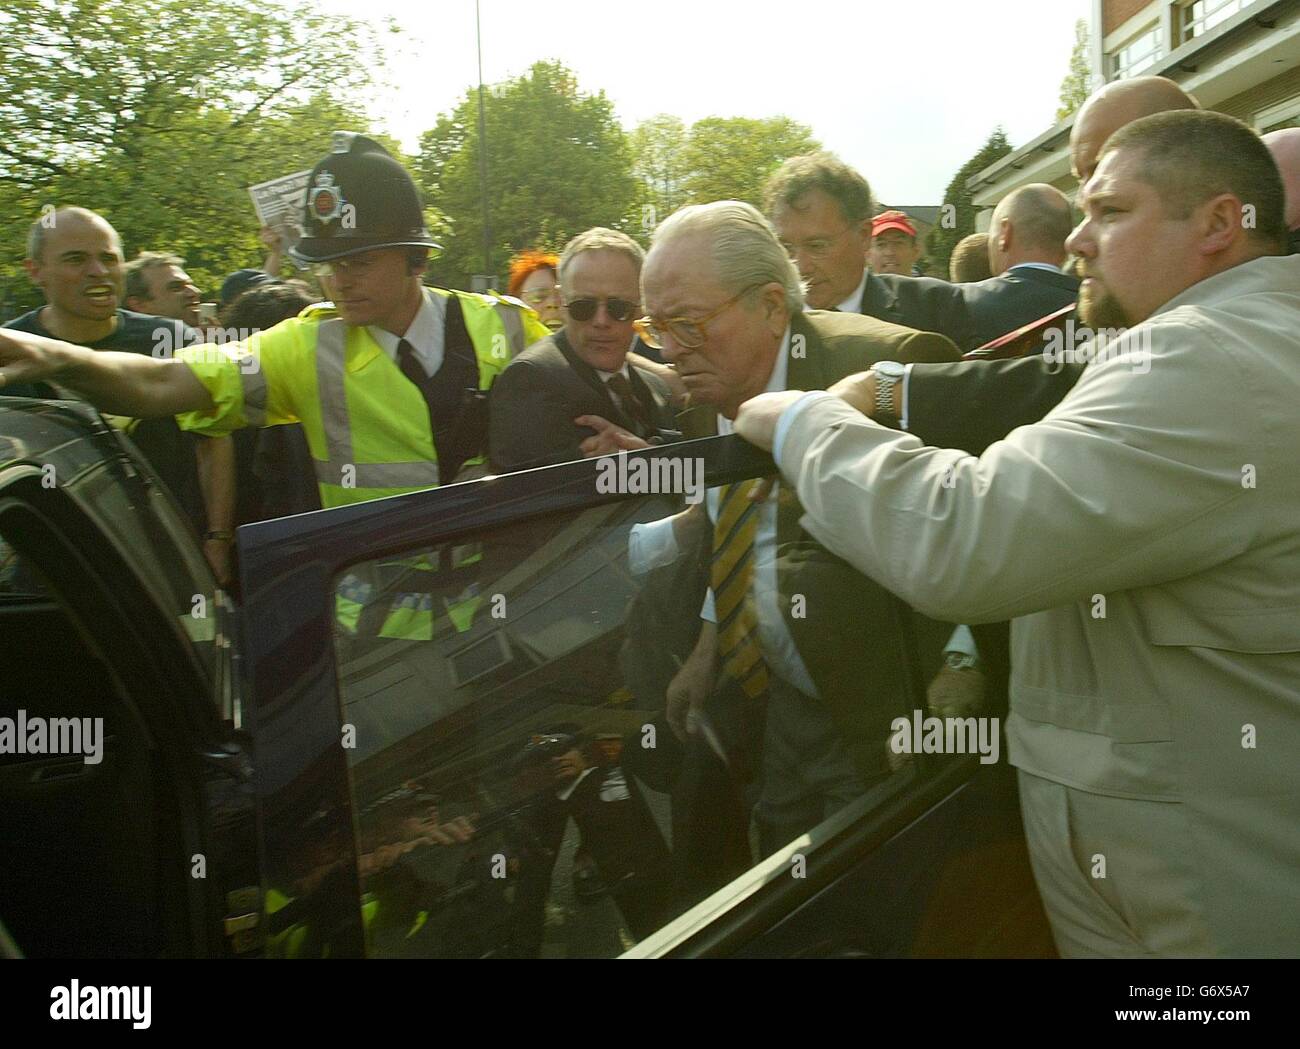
(994, 500)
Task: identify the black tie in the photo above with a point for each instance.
(632, 405)
(414, 370)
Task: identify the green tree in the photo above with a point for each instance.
(729, 158)
(957, 218)
(558, 163)
(1077, 85)
(160, 113)
(658, 148)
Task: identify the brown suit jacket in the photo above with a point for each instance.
(861, 645)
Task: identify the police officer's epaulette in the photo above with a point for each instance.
(511, 300)
(319, 307)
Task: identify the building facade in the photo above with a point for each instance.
(1240, 57)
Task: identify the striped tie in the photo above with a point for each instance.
(731, 571)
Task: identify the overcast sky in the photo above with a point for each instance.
(904, 91)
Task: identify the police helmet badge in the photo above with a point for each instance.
(325, 199)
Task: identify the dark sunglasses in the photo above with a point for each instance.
(618, 309)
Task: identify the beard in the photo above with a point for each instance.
(1100, 309)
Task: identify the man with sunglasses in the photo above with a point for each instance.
(725, 305)
(580, 392)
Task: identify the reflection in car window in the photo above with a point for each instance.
(158, 543)
(519, 785)
(18, 582)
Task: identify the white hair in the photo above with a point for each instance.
(746, 250)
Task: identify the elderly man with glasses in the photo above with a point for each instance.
(580, 392)
(726, 305)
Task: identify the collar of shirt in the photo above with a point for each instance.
(854, 302)
(606, 376)
(1035, 266)
(425, 333)
(776, 382)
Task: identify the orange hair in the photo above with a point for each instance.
(526, 263)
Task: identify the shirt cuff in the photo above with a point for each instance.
(962, 641)
(707, 611)
(907, 378)
(651, 545)
(788, 417)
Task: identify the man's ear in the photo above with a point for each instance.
(1223, 219)
(775, 313)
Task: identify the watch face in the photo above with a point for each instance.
(890, 369)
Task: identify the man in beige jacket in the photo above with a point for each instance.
(1145, 538)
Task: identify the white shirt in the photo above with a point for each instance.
(425, 333)
(853, 303)
(651, 545)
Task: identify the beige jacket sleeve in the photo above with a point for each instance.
(1141, 475)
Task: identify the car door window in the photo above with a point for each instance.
(518, 787)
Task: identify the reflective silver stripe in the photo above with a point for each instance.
(377, 475)
(331, 341)
(513, 321)
(254, 385)
(342, 470)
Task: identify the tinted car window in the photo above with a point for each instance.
(518, 786)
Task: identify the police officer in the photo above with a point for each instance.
(387, 379)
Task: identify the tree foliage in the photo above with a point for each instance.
(1077, 84)
(558, 163)
(160, 113)
(943, 238)
(729, 158)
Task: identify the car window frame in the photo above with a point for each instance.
(313, 549)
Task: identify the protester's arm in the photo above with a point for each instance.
(270, 237)
(215, 459)
(119, 383)
(1136, 480)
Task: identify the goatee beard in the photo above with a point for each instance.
(1101, 310)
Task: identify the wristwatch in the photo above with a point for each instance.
(888, 375)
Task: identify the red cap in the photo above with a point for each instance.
(892, 220)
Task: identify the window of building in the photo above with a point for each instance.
(1200, 16)
(1138, 55)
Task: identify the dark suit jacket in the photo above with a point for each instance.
(923, 303)
(1018, 297)
(534, 401)
(861, 645)
(972, 404)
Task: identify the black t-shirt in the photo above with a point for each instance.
(169, 449)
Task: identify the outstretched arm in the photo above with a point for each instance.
(120, 383)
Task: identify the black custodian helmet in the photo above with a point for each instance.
(359, 198)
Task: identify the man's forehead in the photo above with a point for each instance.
(73, 231)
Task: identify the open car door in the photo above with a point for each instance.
(458, 699)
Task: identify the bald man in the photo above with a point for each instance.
(1110, 107)
(1285, 147)
(1026, 250)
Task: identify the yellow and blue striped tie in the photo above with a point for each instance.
(731, 570)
